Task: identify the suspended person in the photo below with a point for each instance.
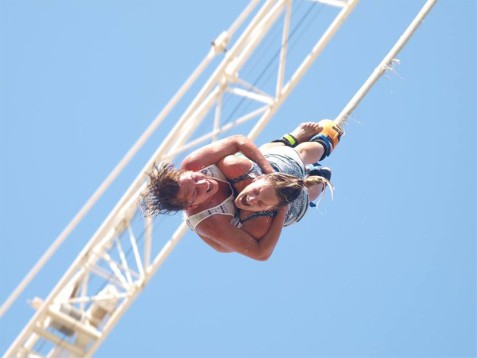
(274, 187)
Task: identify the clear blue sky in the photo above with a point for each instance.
(386, 269)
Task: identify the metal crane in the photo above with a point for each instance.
(120, 258)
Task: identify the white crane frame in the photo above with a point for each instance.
(77, 316)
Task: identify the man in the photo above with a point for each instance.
(206, 183)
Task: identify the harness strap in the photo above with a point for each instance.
(259, 214)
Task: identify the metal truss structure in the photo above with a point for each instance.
(119, 260)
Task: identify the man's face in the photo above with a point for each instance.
(260, 195)
(195, 188)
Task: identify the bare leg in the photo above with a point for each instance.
(310, 152)
(303, 133)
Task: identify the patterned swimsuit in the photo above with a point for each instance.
(285, 160)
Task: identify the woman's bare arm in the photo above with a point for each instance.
(219, 229)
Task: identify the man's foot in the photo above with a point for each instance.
(305, 131)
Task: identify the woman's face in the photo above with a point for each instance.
(195, 188)
(260, 195)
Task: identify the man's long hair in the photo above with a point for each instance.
(161, 192)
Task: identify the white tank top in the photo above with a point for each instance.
(227, 207)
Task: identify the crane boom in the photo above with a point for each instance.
(118, 261)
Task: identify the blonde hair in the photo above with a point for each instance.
(289, 187)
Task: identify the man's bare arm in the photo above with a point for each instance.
(214, 152)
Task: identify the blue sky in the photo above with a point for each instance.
(386, 269)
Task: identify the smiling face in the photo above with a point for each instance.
(195, 188)
(260, 195)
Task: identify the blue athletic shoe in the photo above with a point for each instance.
(318, 170)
